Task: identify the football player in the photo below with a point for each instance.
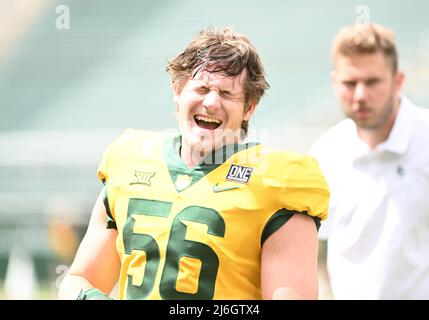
(202, 215)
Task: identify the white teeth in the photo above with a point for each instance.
(207, 119)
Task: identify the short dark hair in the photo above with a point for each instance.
(366, 39)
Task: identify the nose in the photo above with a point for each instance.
(360, 92)
(211, 100)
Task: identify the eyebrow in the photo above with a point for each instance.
(206, 84)
(348, 78)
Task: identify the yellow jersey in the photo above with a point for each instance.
(197, 233)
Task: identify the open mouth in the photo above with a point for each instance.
(207, 123)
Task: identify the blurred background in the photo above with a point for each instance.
(74, 74)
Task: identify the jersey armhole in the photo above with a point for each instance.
(278, 219)
(110, 221)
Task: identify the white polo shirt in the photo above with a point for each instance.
(378, 223)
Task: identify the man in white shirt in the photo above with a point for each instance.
(377, 166)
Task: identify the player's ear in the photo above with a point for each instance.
(333, 75)
(176, 94)
(399, 81)
(251, 107)
(334, 80)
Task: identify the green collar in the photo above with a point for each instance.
(184, 177)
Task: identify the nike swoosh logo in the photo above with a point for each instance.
(217, 188)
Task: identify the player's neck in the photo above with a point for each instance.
(192, 155)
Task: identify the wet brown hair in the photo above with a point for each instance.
(225, 51)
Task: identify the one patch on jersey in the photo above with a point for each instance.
(141, 177)
(239, 173)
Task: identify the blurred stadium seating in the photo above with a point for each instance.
(65, 94)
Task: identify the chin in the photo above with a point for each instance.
(203, 140)
(211, 139)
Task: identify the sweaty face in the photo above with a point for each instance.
(366, 88)
(210, 109)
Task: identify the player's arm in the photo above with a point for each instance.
(97, 263)
(289, 261)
